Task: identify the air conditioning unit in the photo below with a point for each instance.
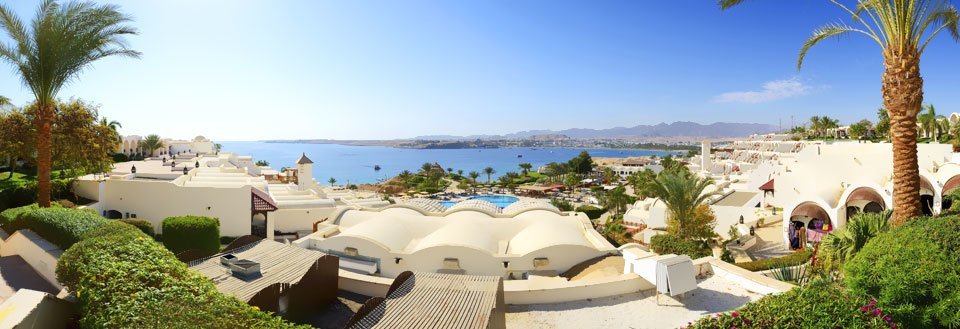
(245, 268)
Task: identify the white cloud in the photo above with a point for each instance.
(772, 90)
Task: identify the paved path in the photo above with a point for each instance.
(769, 241)
(16, 274)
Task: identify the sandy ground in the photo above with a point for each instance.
(637, 310)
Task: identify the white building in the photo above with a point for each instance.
(817, 184)
(222, 186)
(472, 237)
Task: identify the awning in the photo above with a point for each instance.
(768, 186)
(261, 201)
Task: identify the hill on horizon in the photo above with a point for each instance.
(675, 129)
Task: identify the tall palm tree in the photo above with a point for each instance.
(682, 193)
(61, 41)
(927, 120)
(151, 143)
(525, 168)
(489, 171)
(4, 101)
(902, 29)
(473, 176)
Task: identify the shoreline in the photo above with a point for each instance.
(397, 146)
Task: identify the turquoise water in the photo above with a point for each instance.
(501, 201)
(355, 164)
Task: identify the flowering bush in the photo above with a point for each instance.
(817, 305)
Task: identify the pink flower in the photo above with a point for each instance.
(735, 314)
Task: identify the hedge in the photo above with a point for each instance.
(591, 211)
(124, 279)
(26, 193)
(673, 244)
(61, 226)
(795, 258)
(143, 225)
(913, 272)
(817, 305)
(192, 232)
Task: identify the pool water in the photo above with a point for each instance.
(501, 201)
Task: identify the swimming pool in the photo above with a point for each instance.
(501, 201)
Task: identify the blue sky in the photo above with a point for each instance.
(248, 70)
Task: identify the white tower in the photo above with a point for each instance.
(304, 172)
(705, 162)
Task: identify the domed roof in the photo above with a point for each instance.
(524, 205)
(477, 204)
(200, 139)
(427, 205)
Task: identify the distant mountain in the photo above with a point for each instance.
(676, 129)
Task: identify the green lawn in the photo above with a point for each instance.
(17, 180)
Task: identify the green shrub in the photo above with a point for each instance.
(124, 279)
(192, 232)
(912, 270)
(144, 226)
(591, 211)
(562, 205)
(818, 305)
(61, 226)
(795, 258)
(673, 244)
(9, 215)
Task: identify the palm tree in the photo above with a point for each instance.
(473, 176)
(842, 244)
(682, 193)
(460, 172)
(525, 168)
(151, 143)
(883, 123)
(61, 41)
(928, 120)
(217, 147)
(332, 181)
(425, 167)
(4, 101)
(489, 171)
(902, 29)
(405, 176)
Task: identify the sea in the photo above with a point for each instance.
(355, 164)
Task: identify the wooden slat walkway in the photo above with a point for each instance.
(434, 300)
(278, 263)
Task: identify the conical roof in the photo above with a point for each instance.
(304, 159)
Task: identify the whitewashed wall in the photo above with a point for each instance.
(154, 201)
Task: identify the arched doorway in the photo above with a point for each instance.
(926, 197)
(864, 199)
(952, 184)
(808, 223)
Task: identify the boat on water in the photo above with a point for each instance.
(519, 155)
(376, 167)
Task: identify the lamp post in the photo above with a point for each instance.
(197, 165)
(133, 170)
(185, 170)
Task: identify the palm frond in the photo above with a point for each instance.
(946, 18)
(727, 4)
(835, 30)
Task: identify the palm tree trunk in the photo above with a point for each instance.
(902, 96)
(44, 161)
(13, 162)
